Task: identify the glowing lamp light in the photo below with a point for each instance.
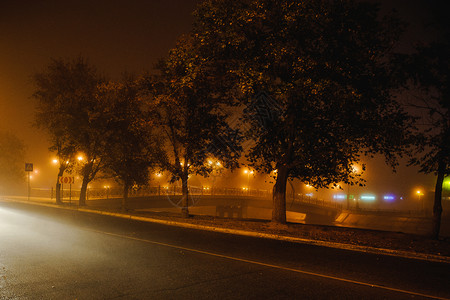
(389, 198)
(340, 197)
(368, 198)
(309, 195)
(55, 161)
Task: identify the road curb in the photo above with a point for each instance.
(366, 249)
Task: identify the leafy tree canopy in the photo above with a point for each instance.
(324, 68)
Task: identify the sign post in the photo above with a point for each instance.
(29, 169)
(67, 180)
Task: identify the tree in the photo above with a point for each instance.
(191, 119)
(316, 80)
(69, 110)
(128, 151)
(65, 152)
(431, 67)
(12, 160)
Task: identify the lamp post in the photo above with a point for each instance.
(107, 191)
(419, 193)
(353, 171)
(248, 172)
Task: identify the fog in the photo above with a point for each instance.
(132, 36)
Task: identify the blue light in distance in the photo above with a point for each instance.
(340, 197)
(389, 198)
(368, 198)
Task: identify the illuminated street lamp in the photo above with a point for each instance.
(107, 191)
(158, 177)
(355, 169)
(419, 193)
(248, 172)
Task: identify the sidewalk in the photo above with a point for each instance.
(369, 241)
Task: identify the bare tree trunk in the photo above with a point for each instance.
(126, 188)
(279, 196)
(437, 207)
(185, 196)
(58, 185)
(82, 200)
(86, 175)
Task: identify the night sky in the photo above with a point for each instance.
(118, 36)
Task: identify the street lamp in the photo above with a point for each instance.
(419, 193)
(107, 187)
(354, 169)
(248, 172)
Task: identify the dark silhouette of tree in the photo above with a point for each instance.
(429, 68)
(191, 120)
(129, 148)
(316, 80)
(12, 161)
(69, 110)
(432, 68)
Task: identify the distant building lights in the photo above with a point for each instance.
(340, 197)
(368, 198)
(389, 198)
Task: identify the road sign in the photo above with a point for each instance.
(66, 179)
(28, 167)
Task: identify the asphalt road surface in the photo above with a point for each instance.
(48, 253)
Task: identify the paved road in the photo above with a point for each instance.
(48, 253)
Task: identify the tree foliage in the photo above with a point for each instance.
(129, 149)
(69, 110)
(322, 71)
(191, 119)
(430, 67)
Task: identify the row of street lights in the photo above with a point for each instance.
(248, 172)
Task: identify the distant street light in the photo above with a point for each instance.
(248, 172)
(107, 191)
(419, 193)
(355, 169)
